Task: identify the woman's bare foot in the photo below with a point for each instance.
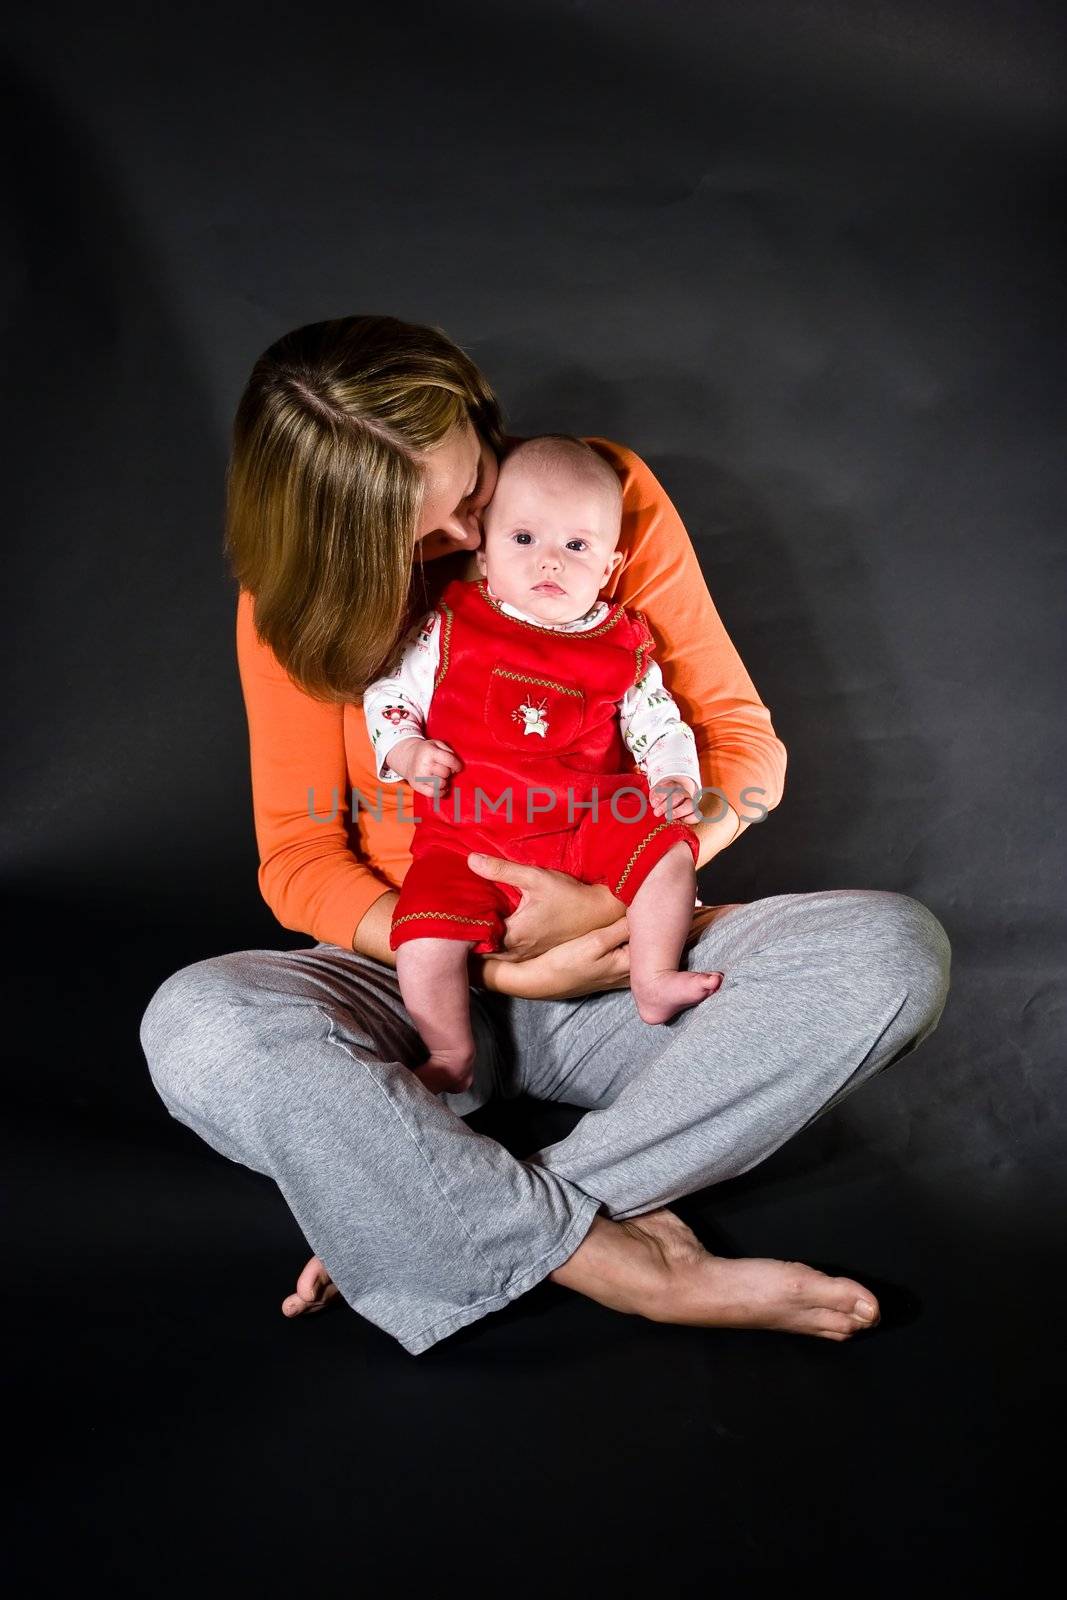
(314, 1290)
(654, 1266)
(661, 995)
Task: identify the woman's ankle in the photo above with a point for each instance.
(615, 1267)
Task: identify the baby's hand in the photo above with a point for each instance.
(676, 792)
(427, 764)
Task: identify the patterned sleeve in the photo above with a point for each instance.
(396, 707)
(657, 738)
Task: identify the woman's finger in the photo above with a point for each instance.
(501, 870)
(616, 966)
(611, 937)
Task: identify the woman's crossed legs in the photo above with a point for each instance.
(298, 1064)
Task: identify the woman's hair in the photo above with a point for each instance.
(325, 487)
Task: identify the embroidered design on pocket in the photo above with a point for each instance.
(533, 717)
(519, 705)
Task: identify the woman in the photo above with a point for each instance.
(364, 452)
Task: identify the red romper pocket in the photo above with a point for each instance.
(531, 714)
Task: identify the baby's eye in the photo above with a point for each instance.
(521, 535)
(582, 542)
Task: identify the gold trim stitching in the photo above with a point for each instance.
(637, 852)
(446, 640)
(642, 649)
(546, 683)
(450, 916)
(482, 586)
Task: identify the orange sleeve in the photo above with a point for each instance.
(309, 874)
(660, 575)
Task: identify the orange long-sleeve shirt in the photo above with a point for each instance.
(321, 869)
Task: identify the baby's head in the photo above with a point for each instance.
(553, 520)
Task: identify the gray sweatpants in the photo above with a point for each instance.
(297, 1064)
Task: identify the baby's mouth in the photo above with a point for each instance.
(548, 587)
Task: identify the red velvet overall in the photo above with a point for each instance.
(532, 713)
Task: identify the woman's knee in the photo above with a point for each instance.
(183, 1024)
(908, 933)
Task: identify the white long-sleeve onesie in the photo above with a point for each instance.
(651, 724)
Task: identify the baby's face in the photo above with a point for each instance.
(549, 543)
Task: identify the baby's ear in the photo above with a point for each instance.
(479, 556)
(616, 557)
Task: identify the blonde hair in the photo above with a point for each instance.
(325, 487)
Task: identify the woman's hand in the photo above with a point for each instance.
(594, 962)
(554, 910)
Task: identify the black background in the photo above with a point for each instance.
(804, 258)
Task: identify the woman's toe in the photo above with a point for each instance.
(837, 1323)
(314, 1290)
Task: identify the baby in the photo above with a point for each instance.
(530, 686)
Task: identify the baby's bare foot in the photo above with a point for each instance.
(314, 1291)
(661, 995)
(448, 1071)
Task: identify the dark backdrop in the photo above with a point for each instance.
(803, 258)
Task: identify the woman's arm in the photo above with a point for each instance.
(721, 829)
(741, 756)
(309, 873)
(371, 938)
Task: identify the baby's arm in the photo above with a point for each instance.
(663, 746)
(395, 708)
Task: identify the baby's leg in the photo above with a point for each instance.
(432, 974)
(660, 917)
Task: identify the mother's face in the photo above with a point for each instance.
(460, 477)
